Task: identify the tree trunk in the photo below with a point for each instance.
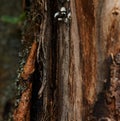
(76, 75)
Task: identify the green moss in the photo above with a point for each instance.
(13, 20)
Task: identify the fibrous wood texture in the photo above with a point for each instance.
(76, 63)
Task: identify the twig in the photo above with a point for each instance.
(42, 89)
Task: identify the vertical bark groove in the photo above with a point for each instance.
(73, 59)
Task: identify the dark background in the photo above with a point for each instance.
(10, 42)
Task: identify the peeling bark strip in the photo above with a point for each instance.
(29, 67)
(22, 113)
(85, 12)
(63, 46)
(39, 109)
(86, 28)
(42, 54)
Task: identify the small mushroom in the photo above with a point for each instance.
(56, 14)
(69, 15)
(63, 11)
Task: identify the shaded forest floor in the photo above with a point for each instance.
(9, 47)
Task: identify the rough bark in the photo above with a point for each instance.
(77, 61)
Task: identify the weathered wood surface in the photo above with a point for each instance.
(107, 38)
(94, 36)
(74, 59)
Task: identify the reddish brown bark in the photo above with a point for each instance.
(29, 67)
(22, 113)
(74, 60)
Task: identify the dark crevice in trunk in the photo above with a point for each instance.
(36, 103)
(54, 59)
